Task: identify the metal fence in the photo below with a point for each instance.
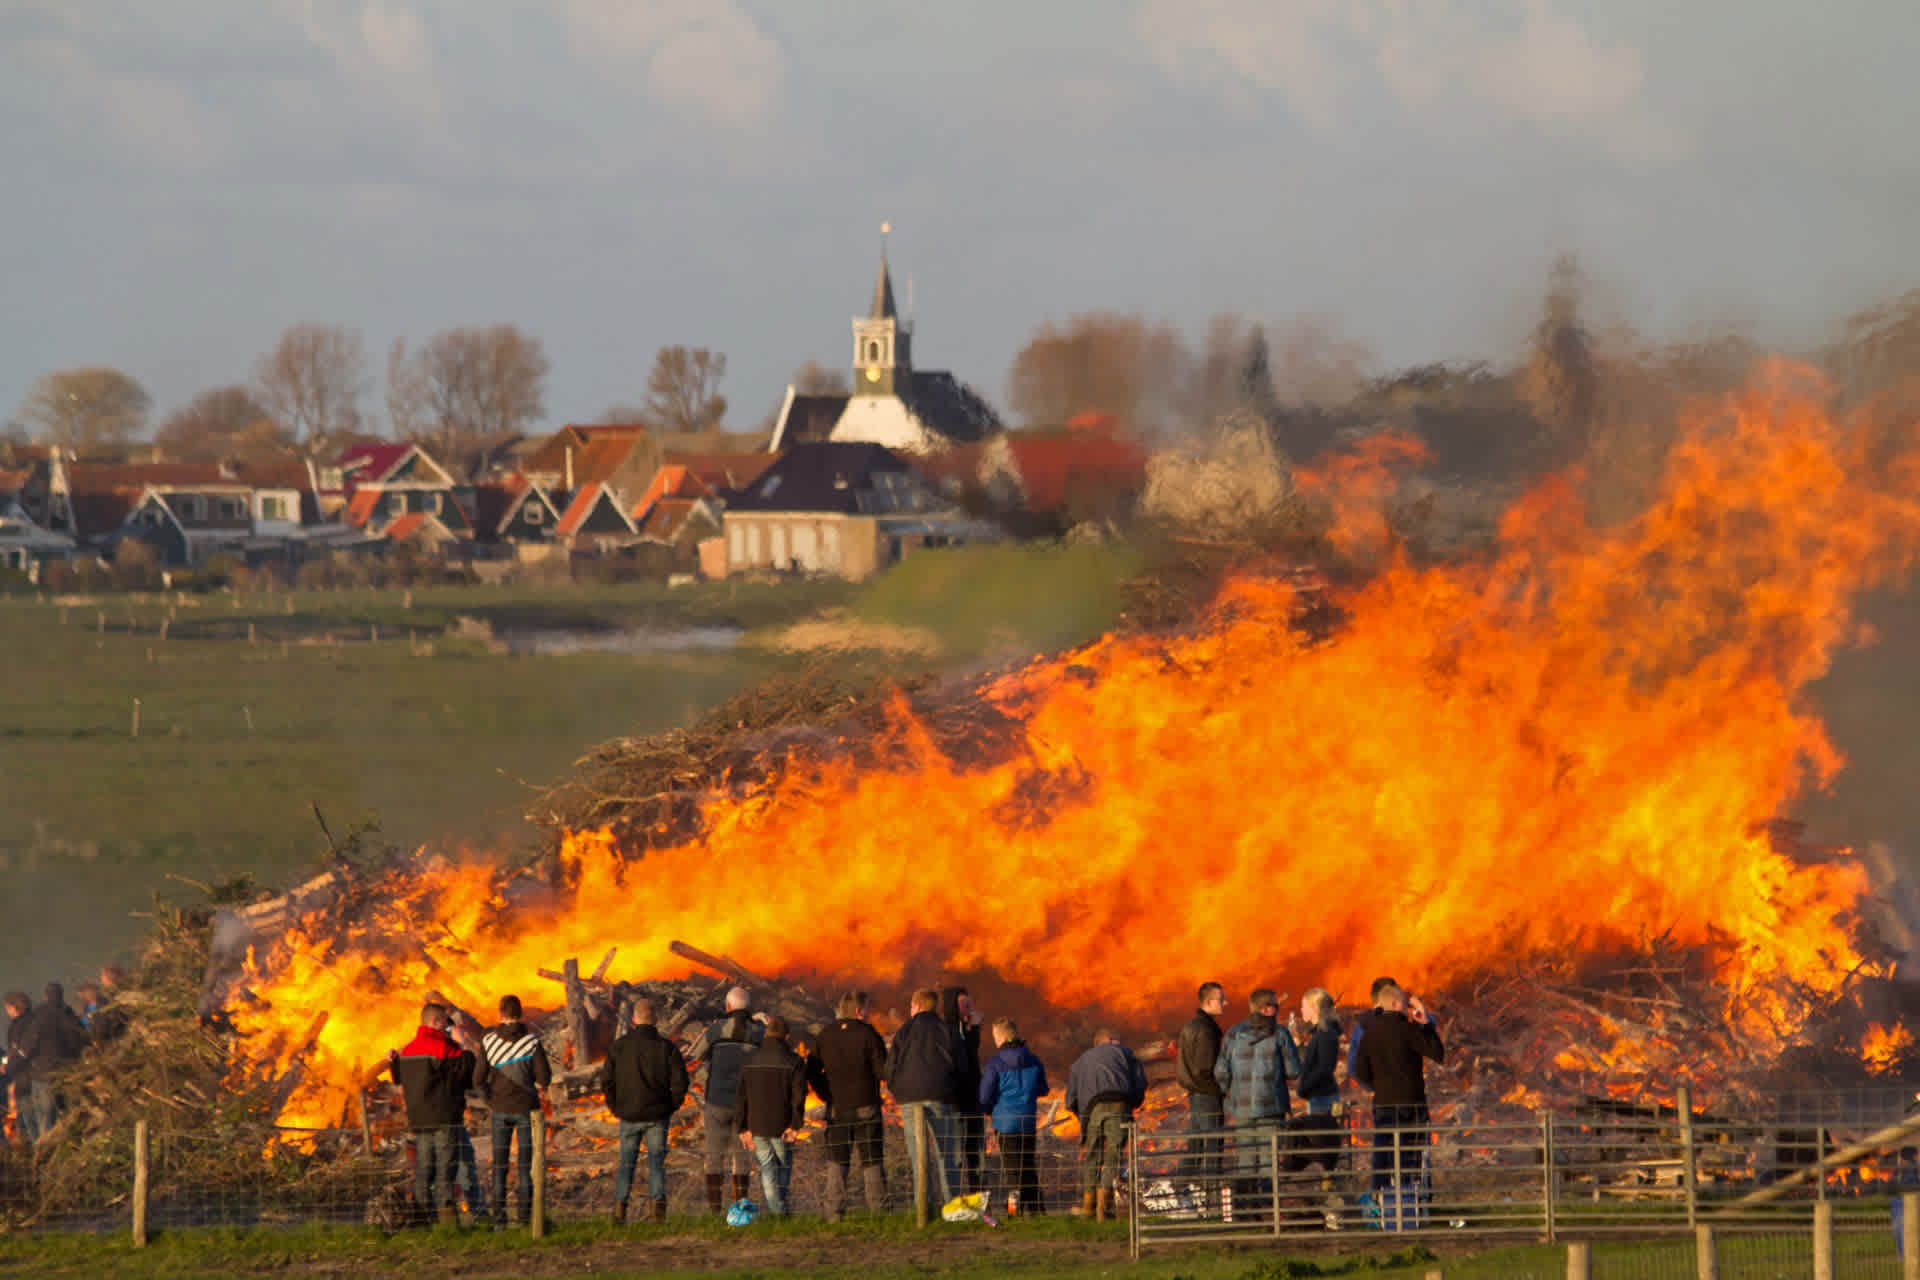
(1611, 1170)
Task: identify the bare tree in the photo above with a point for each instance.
(815, 379)
(312, 382)
(88, 410)
(225, 422)
(1102, 362)
(683, 390)
(472, 385)
(615, 414)
(406, 393)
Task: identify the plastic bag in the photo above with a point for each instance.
(741, 1213)
(964, 1208)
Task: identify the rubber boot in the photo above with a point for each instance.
(716, 1193)
(1087, 1205)
(659, 1211)
(740, 1183)
(875, 1179)
(1103, 1205)
(620, 1213)
(449, 1216)
(836, 1204)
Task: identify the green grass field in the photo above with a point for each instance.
(254, 708)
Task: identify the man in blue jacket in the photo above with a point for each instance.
(1011, 1086)
(1104, 1088)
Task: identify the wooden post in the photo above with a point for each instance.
(923, 1133)
(576, 1013)
(136, 717)
(1133, 1194)
(139, 1184)
(1820, 1159)
(252, 636)
(165, 623)
(537, 1224)
(1910, 1236)
(366, 1123)
(1689, 1166)
(1823, 1240)
(247, 714)
(1547, 1172)
(1579, 1260)
(1706, 1258)
(101, 628)
(373, 633)
(1273, 1157)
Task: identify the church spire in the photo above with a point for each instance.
(883, 308)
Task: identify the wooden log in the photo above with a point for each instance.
(576, 1015)
(1879, 1140)
(600, 970)
(139, 1184)
(719, 964)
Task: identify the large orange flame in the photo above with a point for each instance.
(1563, 746)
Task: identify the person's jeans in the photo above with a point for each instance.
(505, 1126)
(432, 1168)
(1106, 1145)
(43, 1105)
(633, 1133)
(1399, 1143)
(1323, 1105)
(1206, 1113)
(466, 1170)
(775, 1158)
(724, 1152)
(942, 1176)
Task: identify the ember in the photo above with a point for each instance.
(1560, 750)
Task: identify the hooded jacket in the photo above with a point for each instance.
(1199, 1051)
(512, 1069)
(1318, 1060)
(924, 1063)
(1105, 1073)
(1257, 1058)
(848, 1063)
(773, 1091)
(730, 1042)
(645, 1077)
(433, 1073)
(1011, 1087)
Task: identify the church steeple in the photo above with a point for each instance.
(880, 341)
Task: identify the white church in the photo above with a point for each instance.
(893, 404)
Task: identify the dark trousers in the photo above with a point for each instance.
(1400, 1139)
(433, 1155)
(505, 1127)
(970, 1132)
(1206, 1113)
(1019, 1175)
(853, 1134)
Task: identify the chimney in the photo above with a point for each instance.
(569, 468)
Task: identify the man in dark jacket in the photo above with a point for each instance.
(433, 1074)
(645, 1080)
(849, 1061)
(54, 1038)
(511, 1071)
(923, 1073)
(969, 1124)
(771, 1105)
(1401, 1039)
(19, 1069)
(1257, 1058)
(1206, 1103)
(1011, 1087)
(1104, 1087)
(1374, 992)
(729, 1043)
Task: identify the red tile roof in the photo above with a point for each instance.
(719, 471)
(582, 506)
(406, 526)
(113, 477)
(1053, 467)
(377, 460)
(665, 518)
(363, 507)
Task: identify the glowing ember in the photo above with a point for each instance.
(1564, 746)
(1884, 1048)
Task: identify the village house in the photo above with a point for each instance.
(845, 509)
(374, 485)
(917, 411)
(24, 544)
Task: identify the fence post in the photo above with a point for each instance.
(1579, 1260)
(1820, 1158)
(922, 1133)
(1706, 1258)
(1823, 1240)
(366, 1124)
(1547, 1170)
(1133, 1194)
(1273, 1155)
(139, 1184)
(537, 1222)
(1689, 1175)
(1910, 1236)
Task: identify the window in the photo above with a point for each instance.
(273, 507)
(433, 503)
(231, 509)
(768, 485)
(533, 513)
(396, 503)
(873, 351)
(192, 506)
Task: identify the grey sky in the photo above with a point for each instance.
(190, 177)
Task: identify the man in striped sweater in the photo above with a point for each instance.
(512, 1073)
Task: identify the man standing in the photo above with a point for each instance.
(1257, 1058)
(1010, 1091)
(849, 1061)
(1206, 1104)
(969, 1125)
(511, 1072)
(1360, 1024)
(1400, 1040)
(923, 1072)
(433, 1073)
(1103, 1089)
(645, 1080)
(19, 1069)
(772, 1104)
(730, 1042)
(54, 1038)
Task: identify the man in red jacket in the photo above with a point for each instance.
(433, 1073)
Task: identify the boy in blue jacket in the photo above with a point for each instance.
(1011, 1086)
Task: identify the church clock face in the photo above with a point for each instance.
(873, 374)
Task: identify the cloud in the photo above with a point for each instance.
(386, 47)
(700, 58)
(1523, 59)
